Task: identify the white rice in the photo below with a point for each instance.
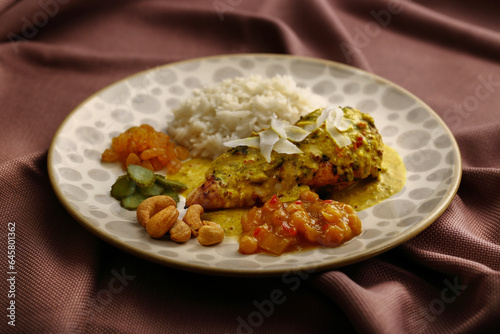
(234, 108)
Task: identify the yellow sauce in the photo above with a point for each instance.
(229, 219)
(368, 192)
(192, 173)
(364, 194)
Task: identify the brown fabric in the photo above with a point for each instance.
(55, 53)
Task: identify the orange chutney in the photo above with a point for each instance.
(143, 145)
(278, 227)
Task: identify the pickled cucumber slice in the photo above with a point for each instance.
(122, 187)
(153, 190)
(140, 183)
(142, 176)
(170, 184)
(131, 202)
(173, 194)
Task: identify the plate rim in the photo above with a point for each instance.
(246, 272)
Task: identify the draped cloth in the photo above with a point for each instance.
(56, 53)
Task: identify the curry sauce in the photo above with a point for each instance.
(362, 195)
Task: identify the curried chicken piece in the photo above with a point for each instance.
(241, 177)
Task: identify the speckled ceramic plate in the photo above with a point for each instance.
(82, 182)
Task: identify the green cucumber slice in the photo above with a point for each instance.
(153, 190)
(173, 194)
(131, 202)
(122, 187)
(170, 184)
(142, 176)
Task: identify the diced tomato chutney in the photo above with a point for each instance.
(280, 227)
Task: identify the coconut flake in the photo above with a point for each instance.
(320, 120)
(336, 135)
(281, 134)
(295, 133)
(336, 117)
(278, 137)
(278, 126)
(344, 125)
(285, 147)
(267, 140)
(250, 142)
(336, 124)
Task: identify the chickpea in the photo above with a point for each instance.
(248, 244)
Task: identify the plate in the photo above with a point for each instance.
(82, 182)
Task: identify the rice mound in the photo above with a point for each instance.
(234, 108)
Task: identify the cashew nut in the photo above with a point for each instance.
(159, 215)
(210, 233)
(161, 222)
(180, 231)
(193, 218)
(151, 206)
